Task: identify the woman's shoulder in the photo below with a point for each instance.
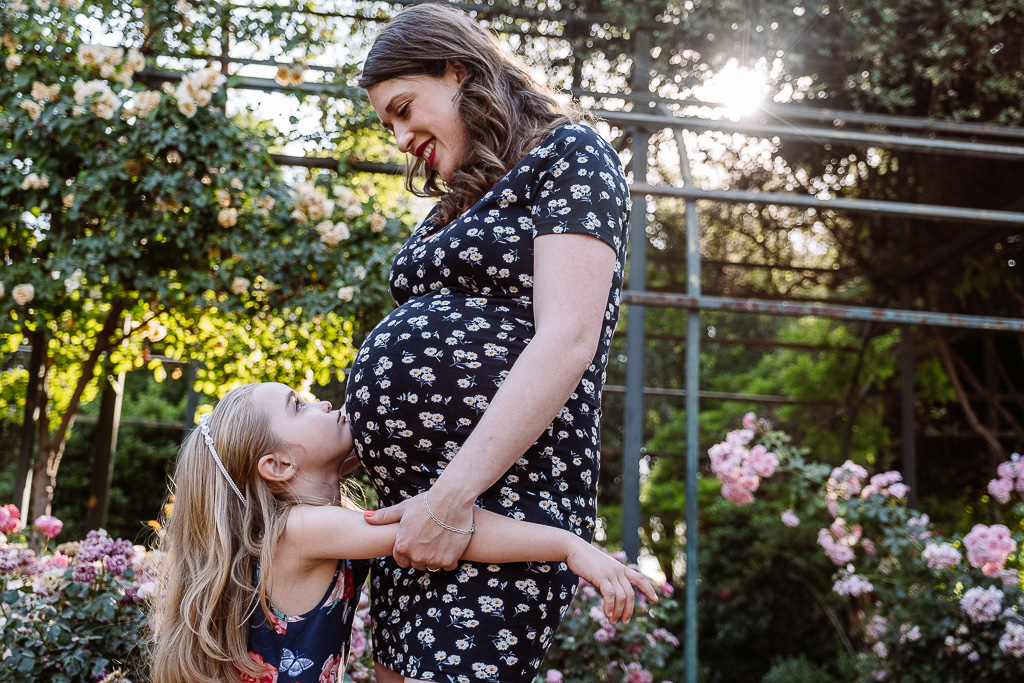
(575, 143)
(569, 137)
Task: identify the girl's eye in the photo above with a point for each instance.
(404, 111)
(299, 405)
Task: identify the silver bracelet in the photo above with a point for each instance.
(449, 527)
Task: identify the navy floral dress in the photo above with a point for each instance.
(311, 647)
(429, 370)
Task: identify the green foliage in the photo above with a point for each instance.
(799, 670)
(764, 591)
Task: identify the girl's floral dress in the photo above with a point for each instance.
(429, 370)
(312, 647)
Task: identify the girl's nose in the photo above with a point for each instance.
(327, 406)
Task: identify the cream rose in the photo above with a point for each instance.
(23, 294)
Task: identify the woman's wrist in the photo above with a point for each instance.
(451, 498)
(445, 525)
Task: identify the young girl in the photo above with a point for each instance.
(259, 582)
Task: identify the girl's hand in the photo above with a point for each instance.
(614, 579)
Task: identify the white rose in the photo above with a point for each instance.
(23, 294)
(173, 157)
(203, 98)
(12, 62)
(187, 107)
(353, 211)
(239, 286)
(33, 109)
(346, 293)
(227, 217)
(377, 222)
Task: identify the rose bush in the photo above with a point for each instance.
(925, 605)
(587, 648)
(73, 613)
(139, 215)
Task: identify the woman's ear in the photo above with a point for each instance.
(273, 467)
(457, 69)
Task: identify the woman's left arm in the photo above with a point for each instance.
(572, 277)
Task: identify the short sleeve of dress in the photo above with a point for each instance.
(579, 187)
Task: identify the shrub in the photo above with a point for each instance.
(588, 649)
(922, 610)
(75, 613)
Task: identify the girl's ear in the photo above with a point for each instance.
(457, 68)
(273, 467)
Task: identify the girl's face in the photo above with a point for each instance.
(423, 114)
(317, 435)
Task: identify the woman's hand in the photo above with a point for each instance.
(614, 579)
(421, 542)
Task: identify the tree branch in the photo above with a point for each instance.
(945, 355)
(826, 610)
(973, 380)
(103, 344)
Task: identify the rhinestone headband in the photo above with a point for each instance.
(204, 427)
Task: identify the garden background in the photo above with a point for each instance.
(195, 196)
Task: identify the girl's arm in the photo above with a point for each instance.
(572, 276)
(320, 533)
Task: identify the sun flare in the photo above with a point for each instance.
(740, 90)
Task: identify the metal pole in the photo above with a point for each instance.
(907, 432)
(693, 335)
(633, 437)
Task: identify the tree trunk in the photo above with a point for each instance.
(51, 449)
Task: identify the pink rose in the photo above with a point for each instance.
(553, 676)
(48, 525)
(988, 547)
(10, 519)
(1001, 489)
(749, 420)
(737, 494)
(790, 519)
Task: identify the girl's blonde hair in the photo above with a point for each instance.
(209, 586)
(505, 110)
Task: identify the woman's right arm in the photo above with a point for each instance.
(320, 533)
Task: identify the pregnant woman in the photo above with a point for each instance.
(483, 387)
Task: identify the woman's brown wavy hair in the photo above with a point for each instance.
(503, 109)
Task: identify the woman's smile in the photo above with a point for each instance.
(423, 114)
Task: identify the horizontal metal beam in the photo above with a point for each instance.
(820, 135)
(836, 312)
(752, 342)
(860, 206)
(804, 112)
(720, 396)
(331, 163)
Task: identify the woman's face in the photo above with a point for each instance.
(423, 114)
